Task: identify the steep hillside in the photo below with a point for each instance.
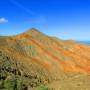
(35, 61)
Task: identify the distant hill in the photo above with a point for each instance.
(35, 61)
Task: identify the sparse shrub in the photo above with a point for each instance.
(12, 85)
(1, 84)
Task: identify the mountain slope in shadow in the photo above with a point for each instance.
(35, 61)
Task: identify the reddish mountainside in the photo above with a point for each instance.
(35, 54)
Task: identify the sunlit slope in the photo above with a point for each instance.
(36, 55)
(67, 56)
(47, 52)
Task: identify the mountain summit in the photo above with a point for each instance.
(34, 60)
(33, 31)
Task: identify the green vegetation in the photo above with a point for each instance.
(12, 85)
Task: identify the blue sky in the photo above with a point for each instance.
(66, 19)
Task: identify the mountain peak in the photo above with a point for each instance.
(33, 30)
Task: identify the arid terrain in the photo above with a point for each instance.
(35, 61)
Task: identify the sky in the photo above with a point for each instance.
(66, 19)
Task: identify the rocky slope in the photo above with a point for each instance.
(35, 61)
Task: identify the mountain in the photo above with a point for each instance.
(35, 61)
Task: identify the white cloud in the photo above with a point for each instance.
(3, 20)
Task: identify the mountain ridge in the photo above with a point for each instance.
(42, 59)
